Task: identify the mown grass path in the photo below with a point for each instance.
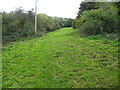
(62, 59)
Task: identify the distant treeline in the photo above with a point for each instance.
(97, 18)
(20, 24)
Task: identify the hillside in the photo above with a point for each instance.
(61, 59)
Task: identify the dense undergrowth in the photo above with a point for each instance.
(97, 18)
(20, 24)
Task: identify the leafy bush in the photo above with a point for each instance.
(102, 20)
(20, 24)
(48, 23)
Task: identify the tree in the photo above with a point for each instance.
(86, 6)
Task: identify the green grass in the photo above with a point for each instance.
(61, 59)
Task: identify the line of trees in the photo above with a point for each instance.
(20, 24)
(97, 18)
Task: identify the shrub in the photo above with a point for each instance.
(20, 24)
(102, 20)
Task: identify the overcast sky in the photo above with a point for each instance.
(59, 8)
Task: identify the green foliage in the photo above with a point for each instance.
(61, 59)
(87, 6)
(117, 4)
(102, 20)
(48, 23)
(20, 24)
(17, 24)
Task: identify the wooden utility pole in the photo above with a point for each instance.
(36, 16)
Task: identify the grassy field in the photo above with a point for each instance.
(61, 59)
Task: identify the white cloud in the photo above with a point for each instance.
(60, 8)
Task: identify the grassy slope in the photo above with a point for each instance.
(61, 59)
